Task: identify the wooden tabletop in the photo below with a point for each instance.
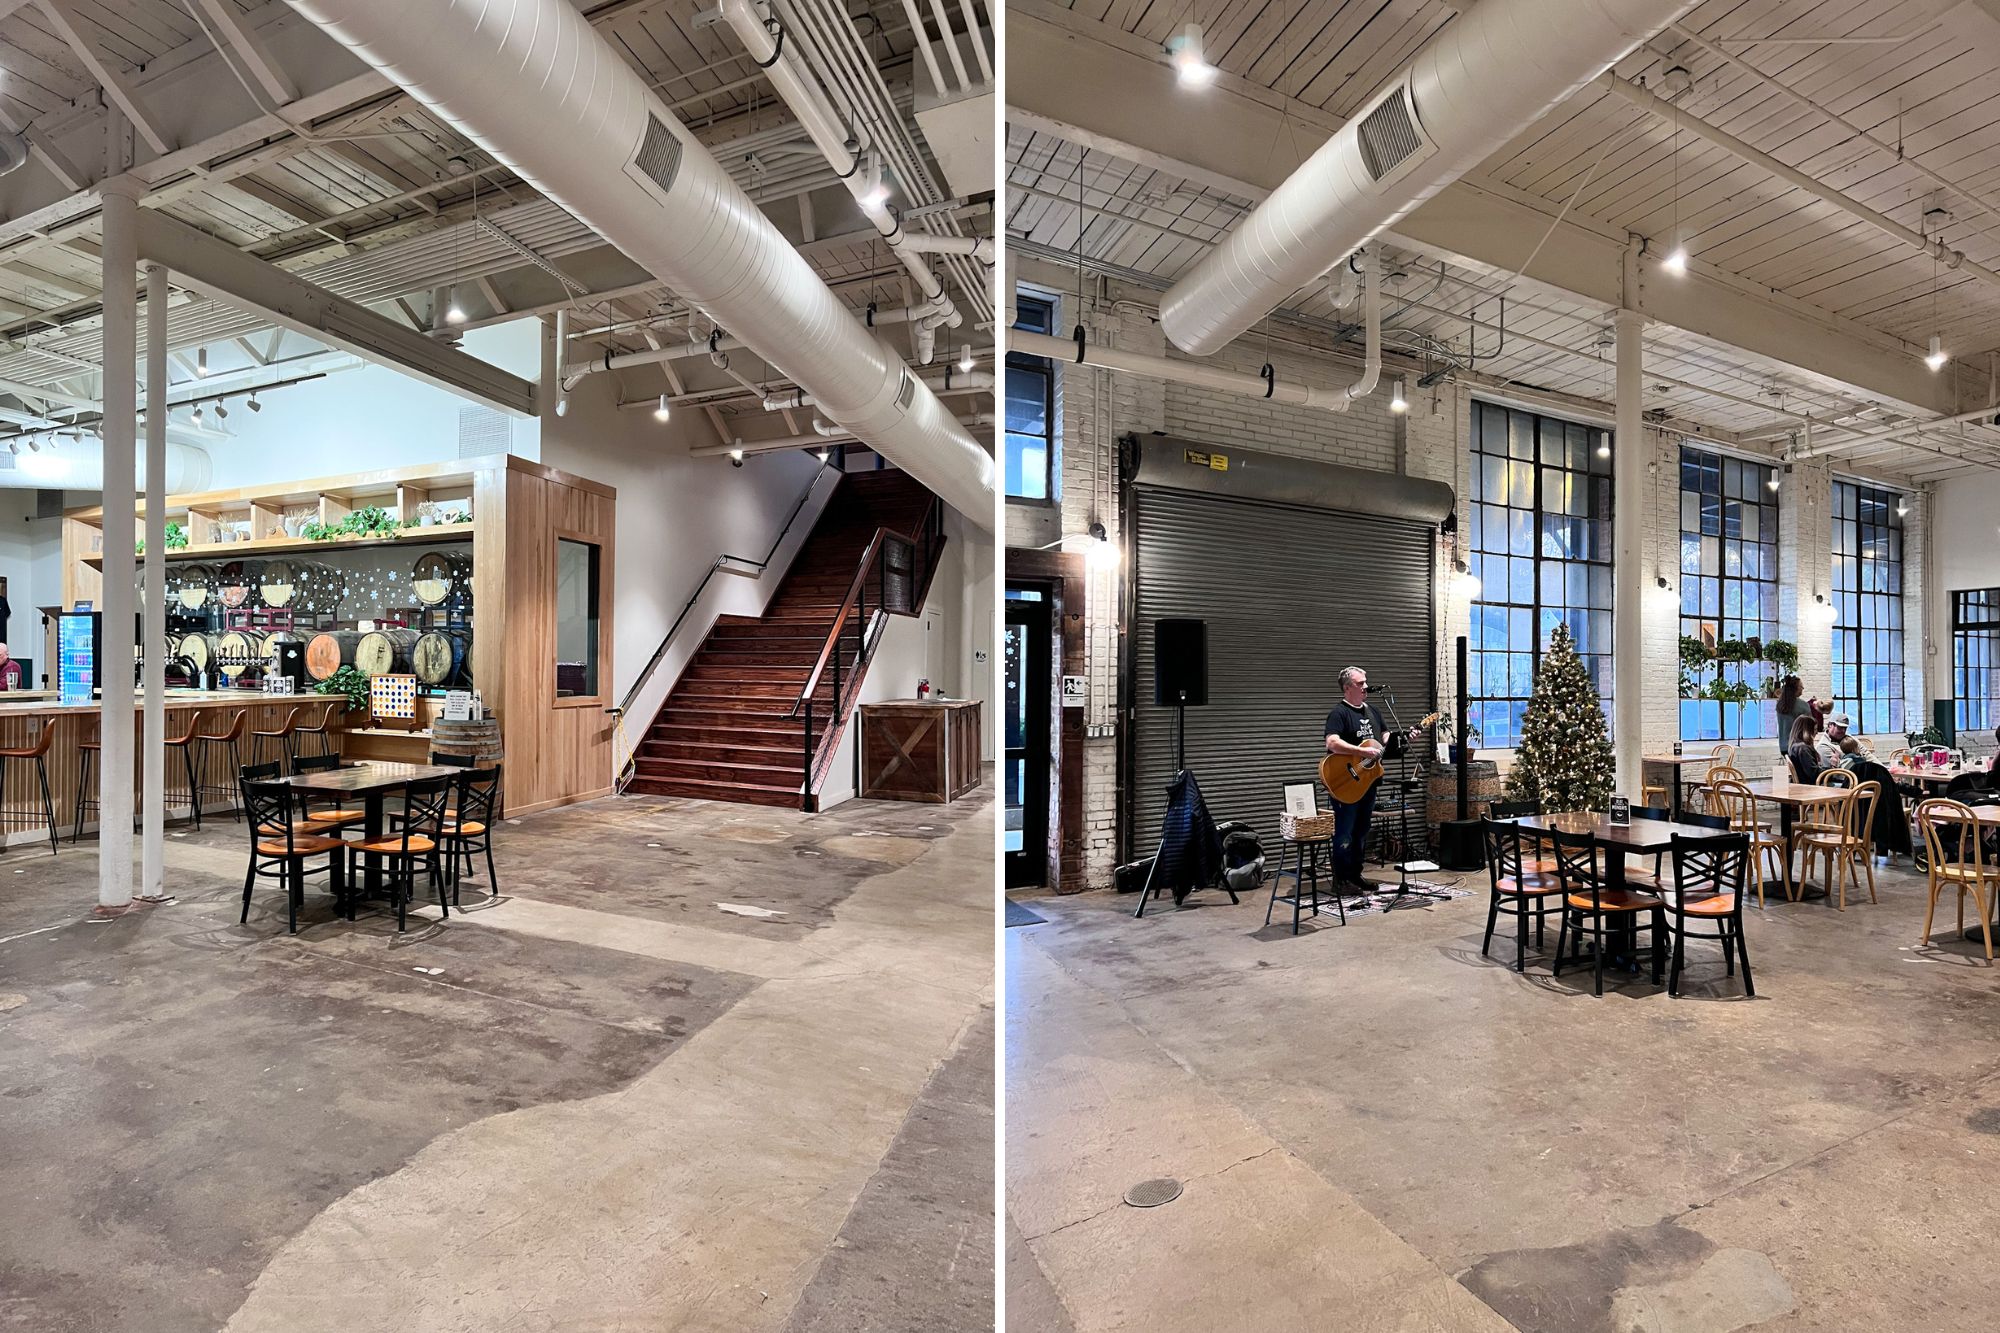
(1681, 759)
(367, 777)
(1930, 774)
(1790, 793)
(1641, 835)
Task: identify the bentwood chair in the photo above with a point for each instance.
(468, 829)
(1588, 906)
(1516, 890)
(1842, 834)
(1709, 873)
(1734, 801)
(38, 755)
(416, 843)
(280, 846)
(1959, 859)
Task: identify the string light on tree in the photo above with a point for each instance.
(1564, 760)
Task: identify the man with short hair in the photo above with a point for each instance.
(10, 671)
(1356, 730)
(1836, 744)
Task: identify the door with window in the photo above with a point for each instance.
(1027, 688)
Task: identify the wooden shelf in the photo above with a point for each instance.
(437, 534)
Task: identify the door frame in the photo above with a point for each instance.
(1061, 575)
(1041, 683)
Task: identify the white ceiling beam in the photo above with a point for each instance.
(249, 48)
(62, 17)
(251, 350)
(492, 294)
(1059, 62)
(252, 188)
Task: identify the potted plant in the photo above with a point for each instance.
(1445, 732)
(350, 682)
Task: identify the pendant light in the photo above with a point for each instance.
(1399, 400)
(1936, 356)
(662, 412)
(965, 356)
(1190, 61)
(201, 362)
(1676, 261)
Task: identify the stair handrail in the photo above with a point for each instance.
(722, 562)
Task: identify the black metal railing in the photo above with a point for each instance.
(897, 567)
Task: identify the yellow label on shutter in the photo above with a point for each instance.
(1218, 462)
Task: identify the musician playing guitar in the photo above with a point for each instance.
(1355, 730)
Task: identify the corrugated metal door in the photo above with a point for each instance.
(1291, 595)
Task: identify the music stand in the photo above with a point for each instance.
(1408, 892)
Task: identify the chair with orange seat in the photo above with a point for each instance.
(1710, 874)
(1517, 890)
(36, 753)
(417, 843)
(1589, 905)
(280, 846)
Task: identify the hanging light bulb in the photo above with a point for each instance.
(965, 356)
(201, 362)
(1189, 60)
(454, 313)
(876, 195)
(1399, 398)
(1676, 261)
(1604, 446)
(1902, 507)
(1772, 484)
(825, 454)
(736, 454)
(1937, 356)
(662, 412)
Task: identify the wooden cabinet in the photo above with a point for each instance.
(914, 751)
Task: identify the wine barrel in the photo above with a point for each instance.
(329, 651)
(236, 581)
(316, 589)
(438, 657)
(277, 586)
(1483, 787)
(437, 576)
(197, 585)
(385, 652)
(238, 651)
(198, 648)
(478, 741)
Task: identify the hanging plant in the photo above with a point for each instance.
(347, 681)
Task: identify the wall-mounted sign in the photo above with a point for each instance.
(1212, 461)
(1075, 690)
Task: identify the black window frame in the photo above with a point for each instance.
(1034, 314)
(1723, 487)
(1869, 624)
(1975, 634)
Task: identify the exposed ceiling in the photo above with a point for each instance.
(1891, 102)
(246, 122)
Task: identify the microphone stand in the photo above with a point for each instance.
(1407, 894)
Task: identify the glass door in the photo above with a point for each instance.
(1028, 688)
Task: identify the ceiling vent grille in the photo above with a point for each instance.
(482, 430)
(659, 159)
(1389, 135)
(907, 393)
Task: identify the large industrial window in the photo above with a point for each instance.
(1032, 429)
(1975, 658)
(1729, 582)
(1541, 549)
(1868, 606)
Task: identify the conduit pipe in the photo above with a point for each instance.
(952, 381)
(79, 466)
(1929, 247)
(533, 84)
(859, 169)
(573, 370)
(1064, 350)
(1811, 450)
(813, 441)
(1494, 69)
(1371, 321)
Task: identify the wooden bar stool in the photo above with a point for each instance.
(230, 739)
(1307, 856)
(38, 755)
(262, 742)
(185, 744)
(321, 731)
(87, 749)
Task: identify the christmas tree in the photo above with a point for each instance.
(1564, 761)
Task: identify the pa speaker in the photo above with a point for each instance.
(1180, 662)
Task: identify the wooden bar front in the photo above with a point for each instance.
(915, 751)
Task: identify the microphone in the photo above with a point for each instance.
(1378, 689)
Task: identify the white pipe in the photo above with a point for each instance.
(813, 441)
(536, 86)
(978, 46)
(153, 752)
(1628, 594)
(120, 256)
(1063, 350)
(979, 247)
(950, 46)
(78, 466)
(1371, 319)
(689, 350)
(1494, 69)
(1811, 450)
(923, 40)
(952, 381)
(826, 428)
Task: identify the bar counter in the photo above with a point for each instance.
(23, 714)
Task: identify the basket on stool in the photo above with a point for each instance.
(1306, 828)
(1308, 843)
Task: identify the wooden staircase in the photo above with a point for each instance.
(731, 729)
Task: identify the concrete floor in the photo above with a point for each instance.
(1379, 1129)
(596, 1102)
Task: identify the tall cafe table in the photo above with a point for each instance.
(373, 782)
(1676, 764)
(1790, 798)
(1641, 837)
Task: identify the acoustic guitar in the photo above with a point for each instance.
(1349, 776)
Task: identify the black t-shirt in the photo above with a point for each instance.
(1355, 725)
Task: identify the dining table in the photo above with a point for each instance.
(373, 782)
(1641, 837)
(1678, 764)
(1790, 798)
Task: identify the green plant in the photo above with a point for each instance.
(1928, 736)
(318, 532)
(1784, 655)
(177, 536)
(371, 521)
(347, 681)
(1564, 760)
(459, 516)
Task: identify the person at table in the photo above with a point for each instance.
(1355, 728)
(1793, 705)
(1838, 745)
(10, 671)
(1803, 750)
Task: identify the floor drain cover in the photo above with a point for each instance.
(1153, 1193)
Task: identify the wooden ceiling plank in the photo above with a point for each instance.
(248, 47)
(61, 14)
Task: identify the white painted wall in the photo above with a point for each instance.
(31, 562)
(1965, 553)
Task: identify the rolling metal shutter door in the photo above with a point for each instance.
(1291, 595)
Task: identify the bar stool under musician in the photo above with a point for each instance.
(1306, 841)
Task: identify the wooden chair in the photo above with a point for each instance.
(320, 731)
(38, 755)
(280, 846)
(1959, 858)
(1735, 801)
(1710, 874)
(280, 738)
(1587, 904)
(1724, 754)
(1517, 891)
(415, 844)
(1842, 832)
(1717, 773)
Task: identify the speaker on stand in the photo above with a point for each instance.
(1180, 674)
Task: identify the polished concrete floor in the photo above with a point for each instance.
(1377, 1128)
(597, 1101)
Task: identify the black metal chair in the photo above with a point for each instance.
(417, 842)
(1517, 890)
(451, 760)
(1710, 874)
(38, 755)
(1589, 905)
(330, 811)
(280, 846)
(468, 830)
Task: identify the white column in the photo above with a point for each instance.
(153, 756)
(1628, 587)
(121, 405)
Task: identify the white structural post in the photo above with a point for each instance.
(1628, 605)
(121, 405)
(153, 757)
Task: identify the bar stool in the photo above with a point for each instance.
(38, 753)
(1307, 855)
(231, 738)
(262, 741)
(321, 729)
(185, 744)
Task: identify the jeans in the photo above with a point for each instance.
(1350, 836)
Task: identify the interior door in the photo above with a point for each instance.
(1027, 689)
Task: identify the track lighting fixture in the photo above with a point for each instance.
(662, 412)
(221, 412)
(1399, 400)
(197, 414)
(1189, 60)
(201, 362)
(254, 405)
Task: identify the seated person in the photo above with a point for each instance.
(10, 671)
(1836, 745)
(1802, 749)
